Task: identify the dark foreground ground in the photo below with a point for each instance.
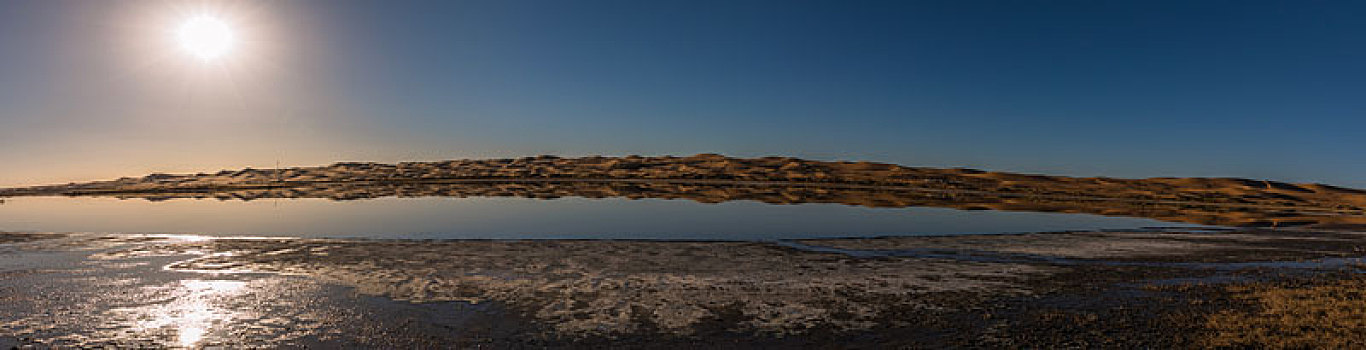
(1134, 289)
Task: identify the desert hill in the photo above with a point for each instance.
(714, 178)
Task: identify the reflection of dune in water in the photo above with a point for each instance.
(1223, 214)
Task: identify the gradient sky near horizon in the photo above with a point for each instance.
(1259, 89)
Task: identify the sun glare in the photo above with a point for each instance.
(205, 37)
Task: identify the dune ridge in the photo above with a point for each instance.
(779, 180)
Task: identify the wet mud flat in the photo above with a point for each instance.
(1163, 288)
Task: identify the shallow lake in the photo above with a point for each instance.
(526, 218)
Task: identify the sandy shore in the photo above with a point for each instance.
(1078, 289)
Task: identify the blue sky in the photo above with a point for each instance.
(1090, 88)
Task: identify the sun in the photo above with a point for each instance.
(206, 37)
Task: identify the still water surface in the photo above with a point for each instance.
(525, 218)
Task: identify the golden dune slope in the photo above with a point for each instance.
(714, 178)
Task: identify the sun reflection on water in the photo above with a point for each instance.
(194, 313)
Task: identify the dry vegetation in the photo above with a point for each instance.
(1329, 316)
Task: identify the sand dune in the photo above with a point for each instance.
(715, 178)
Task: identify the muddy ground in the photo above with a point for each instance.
(1122, 289)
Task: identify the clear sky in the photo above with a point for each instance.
(99, 89)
